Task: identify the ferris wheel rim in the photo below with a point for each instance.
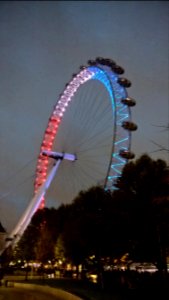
(111, 83)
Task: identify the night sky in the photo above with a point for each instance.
(42, 43)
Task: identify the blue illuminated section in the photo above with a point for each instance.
(120, 163)
(121, 113)
(121, 141)
(103, 77)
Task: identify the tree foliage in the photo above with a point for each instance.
(38, 240)
(133, 219)
(145, 183)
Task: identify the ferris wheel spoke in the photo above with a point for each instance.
(92, 135)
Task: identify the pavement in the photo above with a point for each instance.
(27, 291)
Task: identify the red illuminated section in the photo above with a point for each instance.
(43, 161)
(52, 127)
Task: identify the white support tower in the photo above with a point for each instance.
(34, 204)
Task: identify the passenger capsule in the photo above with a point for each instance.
(108, 61)
(129, 125)
(117, 69)
(112, 62)
(103, 61)
(91, 62)
(124, 82)
(99, 59)
(126, 154)
(82, 67)
(128, 101)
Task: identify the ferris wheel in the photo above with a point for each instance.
(108, 85)
(90, 128)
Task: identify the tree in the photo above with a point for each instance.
(95, 226)
(145, 184)
(27, 245)
(39, 239)
(24, 250)
(132, 219)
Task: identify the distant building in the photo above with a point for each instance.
(3, 235)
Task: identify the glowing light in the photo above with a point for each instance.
(121, 141)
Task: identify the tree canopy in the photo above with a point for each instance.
(145, 184)
(133, 219)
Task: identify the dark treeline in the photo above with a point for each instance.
(133, 221)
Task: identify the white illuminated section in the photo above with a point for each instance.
(34, 204)
(59, 155)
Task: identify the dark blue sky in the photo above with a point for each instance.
(42, 43)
